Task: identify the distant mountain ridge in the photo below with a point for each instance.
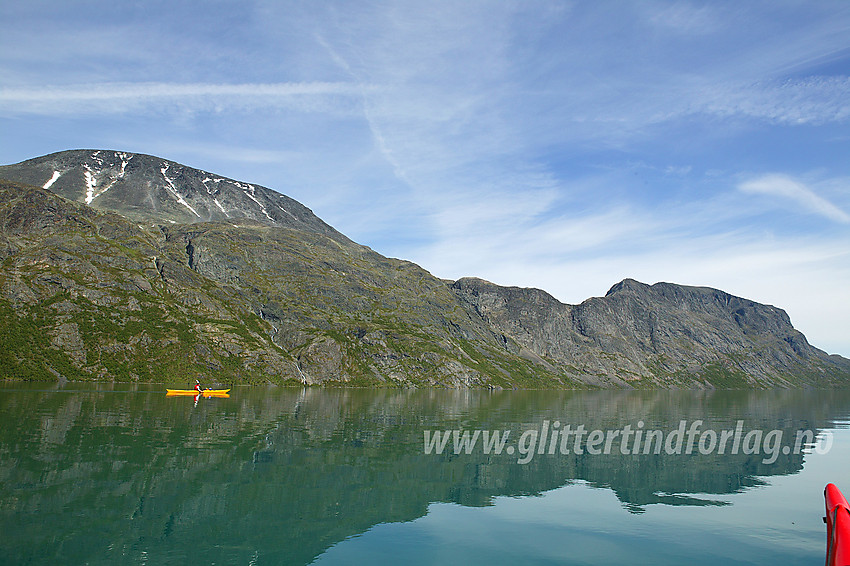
(147, 188)
(662, 328)
(124, 266)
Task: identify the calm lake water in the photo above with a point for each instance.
(101, 474)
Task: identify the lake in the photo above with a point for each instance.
(105, 474)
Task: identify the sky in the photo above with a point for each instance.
(551, 144)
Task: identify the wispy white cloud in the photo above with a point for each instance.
(787, 189)
(813, 100)
(685, 17)
(124, 97)
(218, 152)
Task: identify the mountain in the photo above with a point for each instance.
(149, 189)
(673, 333)
(130, 267)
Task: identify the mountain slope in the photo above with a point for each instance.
(91, 294)
(86, 294)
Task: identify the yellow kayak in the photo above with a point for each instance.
(205, 392)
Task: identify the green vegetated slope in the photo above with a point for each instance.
(91, 295)
(258, 289)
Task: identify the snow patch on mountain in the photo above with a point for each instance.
(249, 191)
(91, 183)
(56, 175)
(221, 208)
(173, 189)
(125, 159)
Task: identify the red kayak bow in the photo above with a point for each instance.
(837, 527)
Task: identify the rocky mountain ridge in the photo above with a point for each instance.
(151, 189)
(245, 285)
(661, 329)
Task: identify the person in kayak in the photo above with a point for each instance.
(198, 387)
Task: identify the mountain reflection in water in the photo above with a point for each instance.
(101, 474)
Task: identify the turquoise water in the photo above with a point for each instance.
(102, 474)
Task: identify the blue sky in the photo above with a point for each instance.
(559, 145)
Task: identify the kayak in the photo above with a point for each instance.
(837, 527)
(205, 392)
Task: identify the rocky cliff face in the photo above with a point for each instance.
(191, 274)
(669, 334)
